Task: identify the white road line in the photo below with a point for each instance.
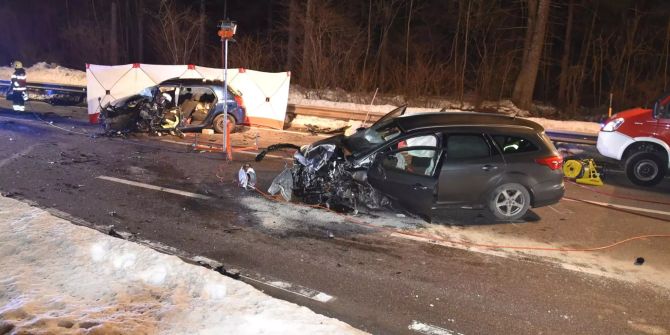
(14, 156)
(269, 155)
(238, 151)
(157, 188)
(291, 132)
(293, 288)
(631, 208)
(427, 329)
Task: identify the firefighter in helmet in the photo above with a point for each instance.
(19, 95)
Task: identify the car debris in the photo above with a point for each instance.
(247, 177)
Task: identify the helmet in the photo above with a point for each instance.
(17, 64)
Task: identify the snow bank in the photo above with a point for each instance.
(298, 97)
(48, 73)
(61, 278)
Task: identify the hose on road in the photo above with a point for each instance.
(432, 238)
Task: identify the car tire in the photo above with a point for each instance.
(509, 202)
(645, 168)
(218, 123)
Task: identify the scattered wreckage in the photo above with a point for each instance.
(175, 106)
(427, 161)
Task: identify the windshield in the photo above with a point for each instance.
(366, 140)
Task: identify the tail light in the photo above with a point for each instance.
(239, 101)
(553, 162)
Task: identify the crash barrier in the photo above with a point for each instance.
(265, 94)
(50, 93)
(582, 171)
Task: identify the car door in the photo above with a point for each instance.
(407, 175)
(470, 169)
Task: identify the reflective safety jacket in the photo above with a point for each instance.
(19, 80)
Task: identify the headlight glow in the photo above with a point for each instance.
(613, 125)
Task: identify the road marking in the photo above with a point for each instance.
(292, 132)
(631, 208)
(157, 188)
(292, 288)
(235, 151)
(427, 329)
(14, 156)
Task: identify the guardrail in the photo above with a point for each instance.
(51, 93)
(334, 113)
(357, 115)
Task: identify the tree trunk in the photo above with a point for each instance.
(407, 38)
(203, 37)
(525, 82)
(114, 45)
(565, 59)
(140, 30)
(307, 45)
(292, 33)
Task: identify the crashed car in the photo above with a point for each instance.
(180, 105)
(427, 161)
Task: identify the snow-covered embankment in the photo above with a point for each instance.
(58, 277)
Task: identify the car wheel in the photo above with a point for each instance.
(218, 123)
(509, 202)
(645, 169)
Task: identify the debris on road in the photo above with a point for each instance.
(246, 177)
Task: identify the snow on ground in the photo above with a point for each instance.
(48, 73)
(61, 278)
(298, 97)
(302, 121)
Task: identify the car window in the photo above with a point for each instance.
(466, 146)
(514, 144)
(429, 140)
(418, 161)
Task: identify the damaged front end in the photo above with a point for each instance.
(323, 175)
(139, 113)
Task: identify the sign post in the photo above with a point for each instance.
(227, 29)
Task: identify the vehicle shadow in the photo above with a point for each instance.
(476, 217)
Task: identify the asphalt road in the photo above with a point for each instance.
(377, 282)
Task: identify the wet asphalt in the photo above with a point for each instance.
(380, 284)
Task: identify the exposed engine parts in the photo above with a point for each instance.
(322, 175)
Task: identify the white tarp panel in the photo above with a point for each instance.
(265, 94)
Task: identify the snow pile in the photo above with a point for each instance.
(298, 97)
(48, 73)
(61, 278)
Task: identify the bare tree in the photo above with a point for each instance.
(114, 42)
(176, 33)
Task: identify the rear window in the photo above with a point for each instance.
(514, 144)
